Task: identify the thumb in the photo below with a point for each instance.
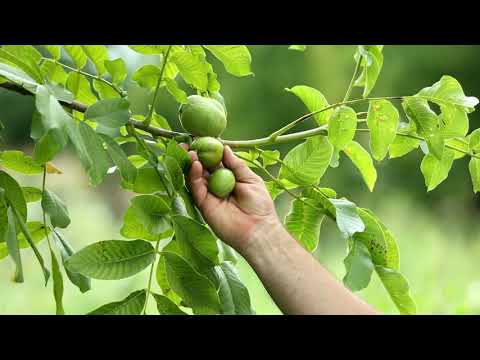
(242, 172)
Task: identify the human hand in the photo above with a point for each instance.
(248, 210)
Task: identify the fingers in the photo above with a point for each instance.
(242, 172)
(197, 183)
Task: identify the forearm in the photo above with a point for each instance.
(296, 281)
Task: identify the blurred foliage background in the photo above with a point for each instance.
(438, 232)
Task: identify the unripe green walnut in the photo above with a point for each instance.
(221, 183)
(202, 116)
(209, 151)
(217, 96)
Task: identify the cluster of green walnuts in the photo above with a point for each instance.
(206, 119)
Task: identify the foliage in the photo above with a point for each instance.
(162, 228)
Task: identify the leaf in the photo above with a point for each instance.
(77, 54)
(179, 153)
(147, 76)
(13, 246)
(37, 233)
(24, 57)
(18, 161)
(53, 72)
(57, 285)
(56, 209)
(97, 55)
(192, 69)
(31, 194)
(133, 304)
(359, 267)
(117, 69)
(372, 237)
(119, 158)
(402, 145)
(146, 182)
(112, 259)
(306, 163)
(301, 48)
(236, 58)
(448, 91)
(166, 306)
(105, 91)
(197, 291)
(192, 235)
(161, 274)
(54, 50)
(303, 222)
(342, 126)
(19, 77)
(178, 94)
(79, 86)
(151, 212)
(363, 162)
(82, 282)
(474, 142)
(398, 289)
(175, 172)
(371, 64)
(149, 49)
(458, 143)
(436, 171)
(270, 157)
(453, 122)
(234, 297)
(112, 113)
(382, 120)
(13, 193)
(348, 221)
(474, 168)
(314, 101)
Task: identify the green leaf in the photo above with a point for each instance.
(146, 182)
(314, 101)
(161, 274)
(14, 194)
(25, 57)
(149, 49)
(57, 285)
(306, 163)
(54, 50)
(461, 144)
(179, 153)
(270, 157)
(192, 69)
(453, 122)
(19, 77)
(371, 64)
(236, 58)
(97, 55)
(105, 91)
(151, 212)
(112, 113)
(228, 253)
(178, 94)
(175, 172)
(436, 171)
(234, 297)
(166, 306)
(13, 246)
(77, 54)
(147, 76)
(398, 288)
(117, 69)
(359, 267)
(133, 304)
(112, 259)
(82, 282)
(372, 237)
(37, 233)
(342, 126)
(448, 91)
(301, 48)
(474, 142)
(133, 229)
(402, 145)
(56, 209)
(197, 291)
(119, 158)
(194, 236)
(474, 168)
(53, 72)
(382, 120)
(18, 161)
(363, 162)
(79, 86)
(303, 222)
(31, 194)
(348, 221)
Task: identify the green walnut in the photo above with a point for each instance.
(209, 151)
(221, 183)
(202, 116)
(217, 96)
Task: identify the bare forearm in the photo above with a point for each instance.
(296, 281)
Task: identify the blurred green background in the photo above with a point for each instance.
(438, 232)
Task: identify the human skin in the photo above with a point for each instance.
(248, 222)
